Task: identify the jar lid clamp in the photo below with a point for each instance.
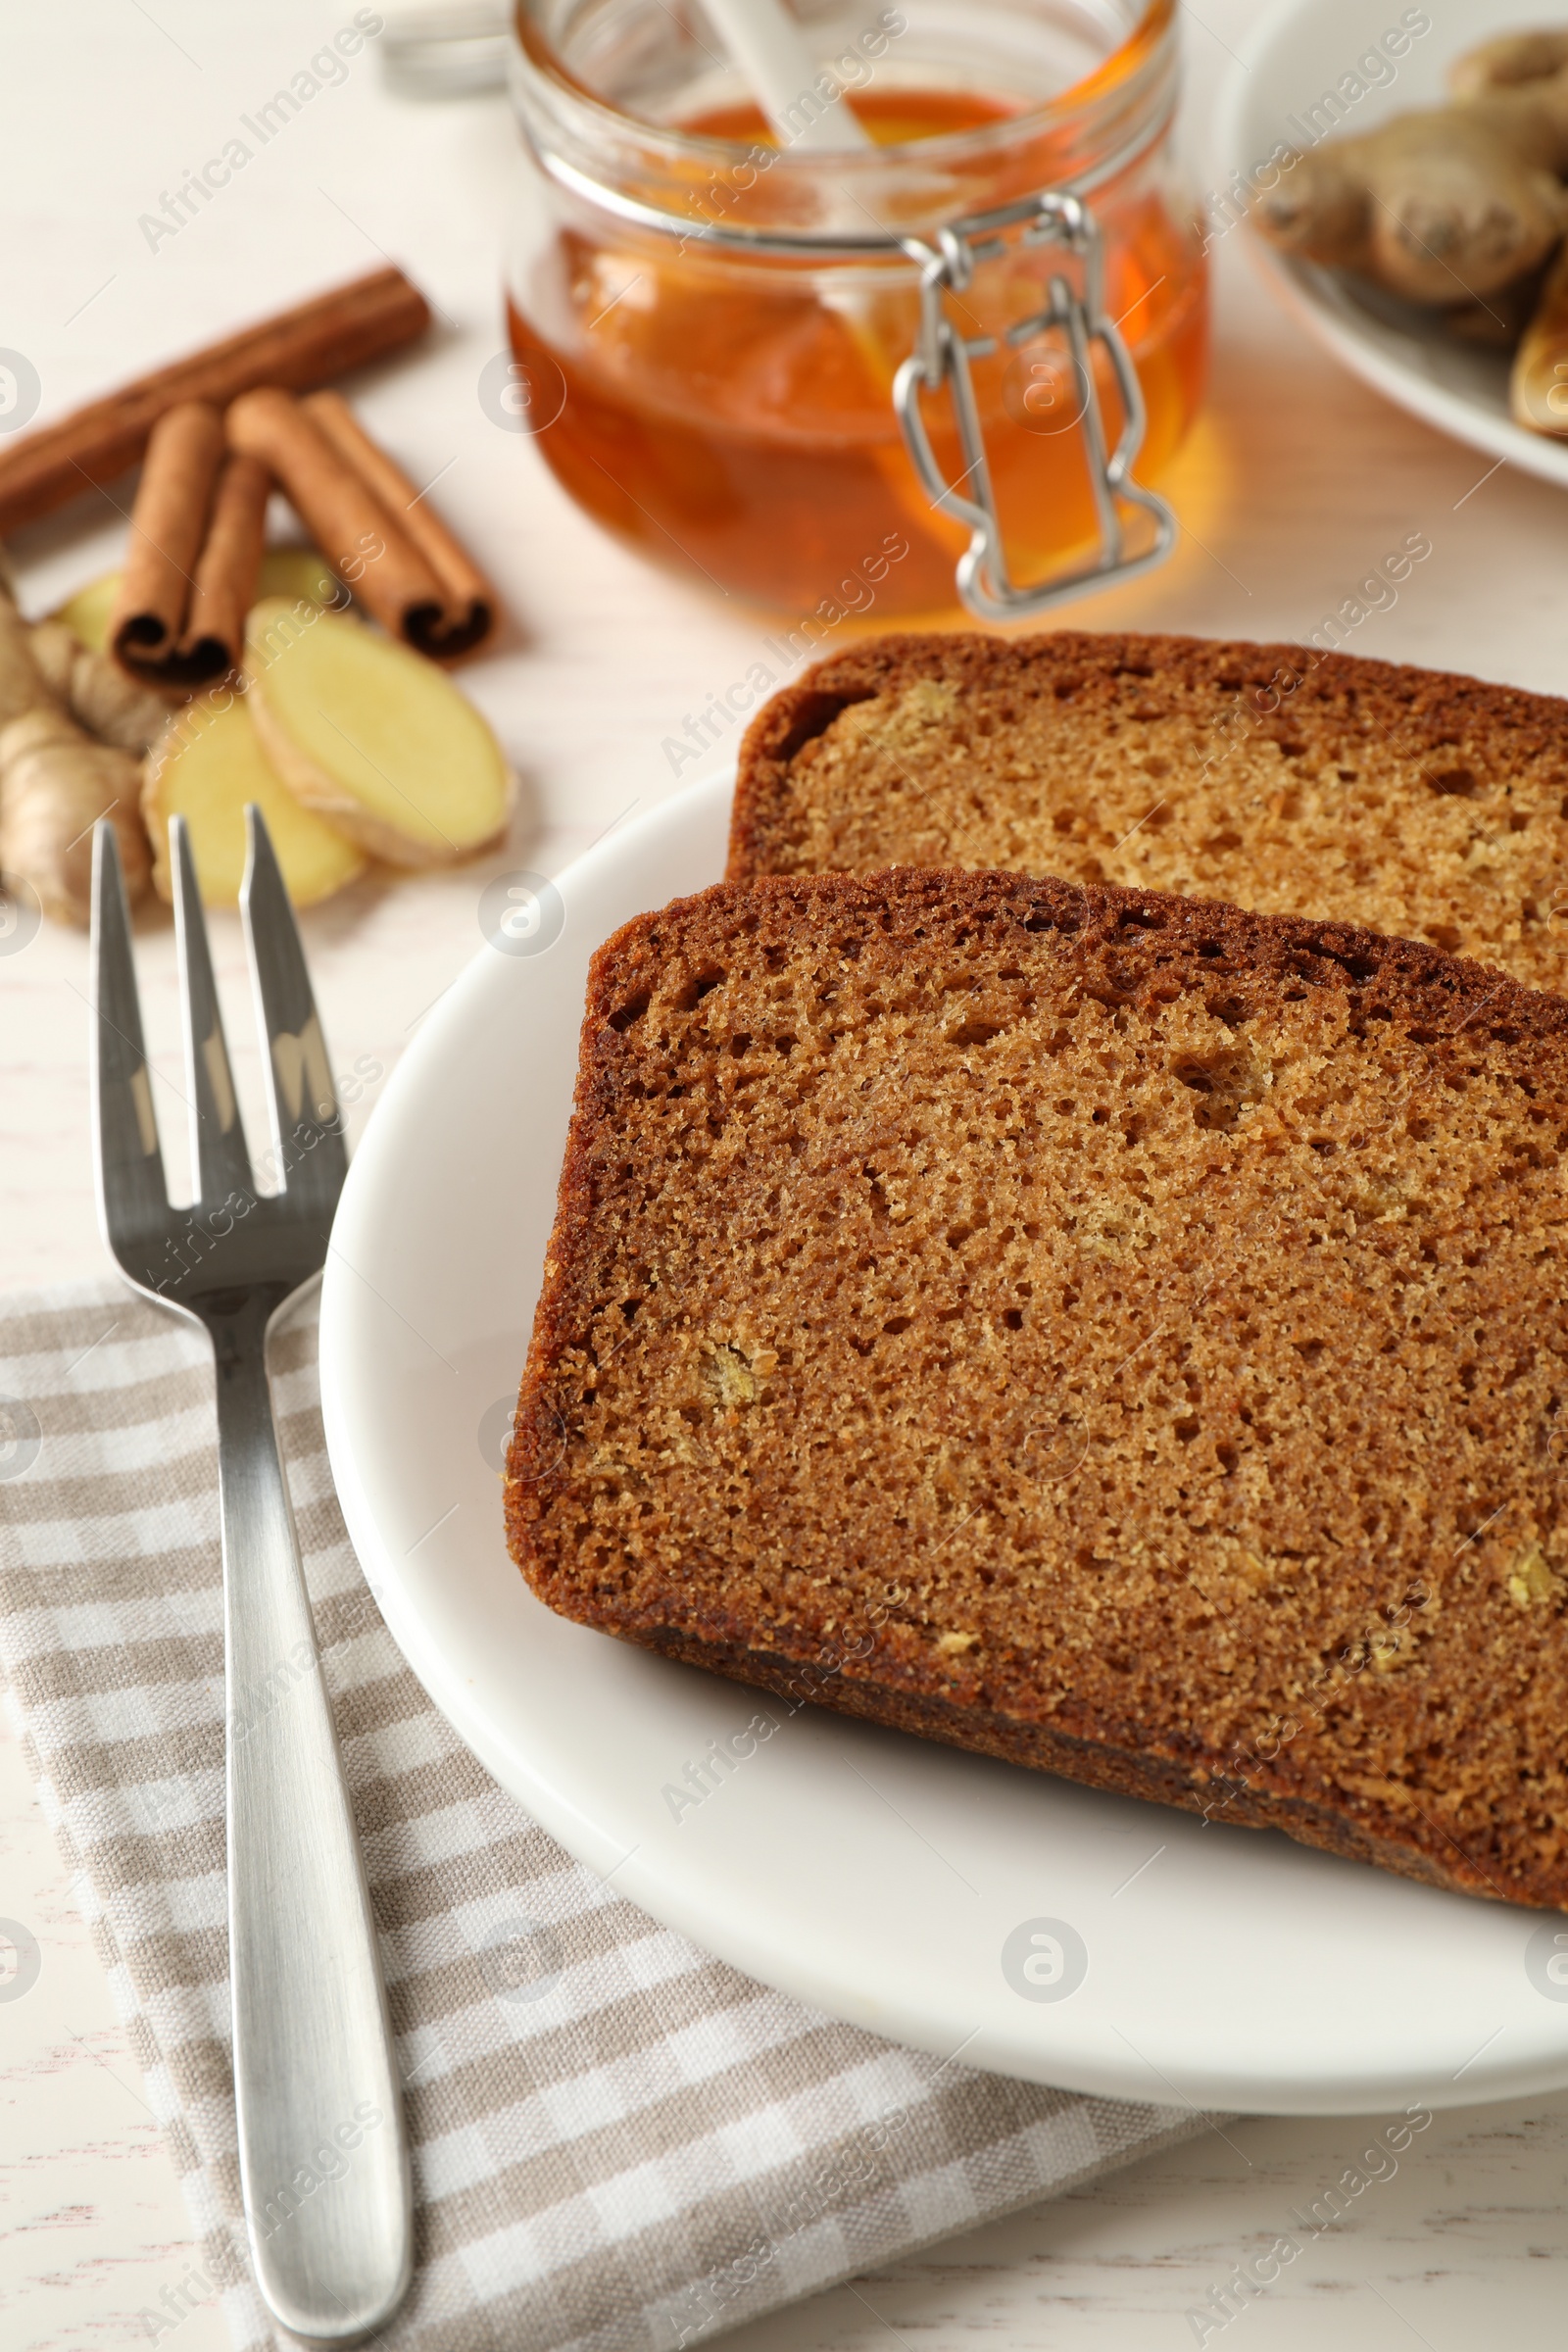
(942, 356)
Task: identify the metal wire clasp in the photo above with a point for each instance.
(942, 355)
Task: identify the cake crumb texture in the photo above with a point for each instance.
(1414, 802)
(1114, 1332)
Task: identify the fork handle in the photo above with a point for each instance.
(322, 2151)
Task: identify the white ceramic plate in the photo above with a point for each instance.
(888, 1879)
(1298, 51)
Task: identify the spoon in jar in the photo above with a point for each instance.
(768, 49)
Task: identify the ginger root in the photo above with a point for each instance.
(1462, 206)
(96, 691)
(1509, 59)
(21, 682)
(1445, 205)
(55, 784)
(1496, 323)
(54, 649)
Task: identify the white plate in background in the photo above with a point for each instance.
(1299, 50)
(890, 1880)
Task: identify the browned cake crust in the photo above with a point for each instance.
(1290, 781)
(1116, 1332)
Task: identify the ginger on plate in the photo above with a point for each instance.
(1538, 389)
(1509, 59)
(1445, 206)
(1462, 206)
(206, 767)
(373, 738)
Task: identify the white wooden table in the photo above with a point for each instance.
(1296, 485)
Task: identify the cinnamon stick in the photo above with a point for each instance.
(366, 543)
(224, 586)
(168, 530)
(471, 603)
(308, 345)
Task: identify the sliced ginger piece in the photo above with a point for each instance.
(206, 767)
(373, 738)
(86, 613)
(300, 572)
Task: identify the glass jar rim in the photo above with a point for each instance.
(1109, 79)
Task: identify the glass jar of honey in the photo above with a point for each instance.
(928, 362)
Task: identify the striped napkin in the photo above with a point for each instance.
(618, 2142)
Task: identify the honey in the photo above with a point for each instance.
(734, 415)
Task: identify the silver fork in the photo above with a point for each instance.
(322, 2151)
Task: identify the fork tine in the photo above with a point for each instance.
(132, 1200)
(307, 1125)
(220, 1161)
